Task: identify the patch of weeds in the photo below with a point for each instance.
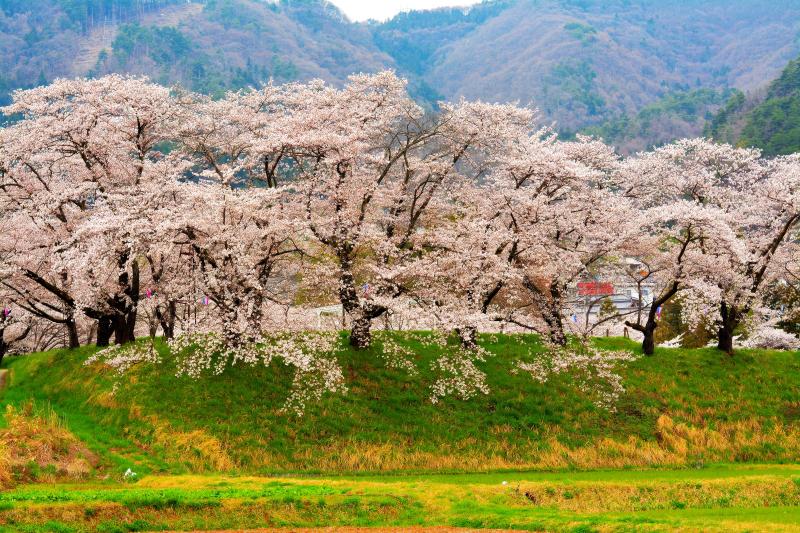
(724, 501)
(143, 525)
(49, 527)
(675, 504)
(154, 502)
(111, 527)
(351, 501)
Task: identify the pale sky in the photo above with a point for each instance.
(360, 10)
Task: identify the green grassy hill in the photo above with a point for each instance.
(682, 407)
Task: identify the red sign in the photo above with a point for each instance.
(592, 288)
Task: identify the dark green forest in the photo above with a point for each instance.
(769, 121)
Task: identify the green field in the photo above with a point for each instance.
(734, 498)
(699, 441)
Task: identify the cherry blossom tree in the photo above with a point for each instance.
(370, 167)
(542, 216)
(680, 190)
(765, 204)
(757, 200)
(81, 146)
(785, 292)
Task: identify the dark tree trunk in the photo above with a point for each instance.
(554, 318)
(725, 340)
(72, 332)
(167, 319)
(123, 333)
(550, 307)
(730, 319)
(3, 348)
(648, 330)
(124, 320)
(649, 340)
(104, 331)
(360, 333)
(649, 327)
(133, 307)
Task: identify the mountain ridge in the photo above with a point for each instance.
(583, 63)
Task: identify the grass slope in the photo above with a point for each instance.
(682, 408)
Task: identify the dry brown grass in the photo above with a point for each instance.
(393, 456)
(5, 467)
(609, 496)
(196, 448)
(675, 444)
(37, 447)
(681, 444)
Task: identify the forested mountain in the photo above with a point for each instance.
(601, 63)
(207, 46)
(638, 72)
(767, 119)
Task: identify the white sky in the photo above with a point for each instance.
(360, 10)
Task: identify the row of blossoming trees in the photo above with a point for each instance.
(125, 203)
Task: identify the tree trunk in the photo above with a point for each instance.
(360, 329)
(104, 331)
(133, 308)
(556, 330)
(649, 328)
(648, 331)
(72, 332)
(553, 317)
(468, 337)
(550, 309)
(124, 320)
(152, 328)
(90, 336)
(730, 321)
(360, 333)
(3, 348)
(123, 333)
(167, 319)
(649, 340)
(725, 340)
